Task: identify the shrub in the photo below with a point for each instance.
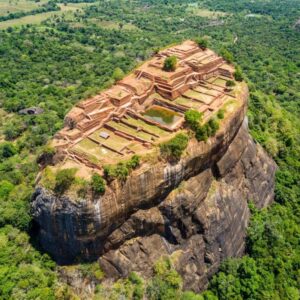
(170, 64)
(230, 83)
(92, 271)
(202, 133)
(192, 118)
(238, 75)
(118, 74)
(97, 184)
(134, 162)
(83, 187)
(122, 169)
(138, 291)
(188, 295)
(5, 188)
(202, 43)
(64, 179)
(214, 126)
(166, 283)
(220, 114)
(226, 55)
(174, 148)
(7, 150)
(46, 155)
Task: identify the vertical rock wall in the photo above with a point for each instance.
(195, 210)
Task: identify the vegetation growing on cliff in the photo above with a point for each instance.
(202, 131)
(67, 59)
(202, 42)
(122, 169)
(98, 184)
(173, 149)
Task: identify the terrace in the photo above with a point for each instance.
(146, 107)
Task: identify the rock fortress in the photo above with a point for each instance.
(193, 210)
(146, 107)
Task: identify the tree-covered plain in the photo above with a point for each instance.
(63, 60)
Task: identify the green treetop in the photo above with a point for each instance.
(170, 64)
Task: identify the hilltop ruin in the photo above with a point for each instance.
(193, 210)
(145, 107)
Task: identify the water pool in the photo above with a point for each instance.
(162, 115)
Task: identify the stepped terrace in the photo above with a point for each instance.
(145, 108)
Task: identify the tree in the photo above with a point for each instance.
(220, 114)
(7, 150)
(228, 56)
(166, 283)
(5, 188)
(202, 43)
(134, 162)
(201, 133)
(98, 184)
(170, 64)
(230, 83)
(64, 179)
(214, 126)
(238, 75)
(118, 74)
(192, 118)
(174, 148)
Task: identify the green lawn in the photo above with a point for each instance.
(201, 97)
(220, 81)
(205, 90)
(187, 102)
(119, 126)
(151, 128)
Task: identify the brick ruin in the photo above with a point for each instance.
(115, 123)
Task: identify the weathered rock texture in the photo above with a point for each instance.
(195, 210)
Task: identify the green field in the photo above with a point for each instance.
(13, 6)
(67, 10)
(205, 13)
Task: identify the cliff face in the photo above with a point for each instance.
(195, 210)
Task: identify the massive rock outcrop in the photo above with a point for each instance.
(195, 210)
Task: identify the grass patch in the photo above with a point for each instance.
(7, 7)
(198, 96)
(151, 128)
(206, 13)
(37, 19)
(173, 149)
(220, 81)
(129, 130)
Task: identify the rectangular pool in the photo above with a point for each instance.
(162, 115)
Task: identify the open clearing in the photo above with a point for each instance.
(113, 25)
(13, 6)
(36, 19)
(205, 13)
